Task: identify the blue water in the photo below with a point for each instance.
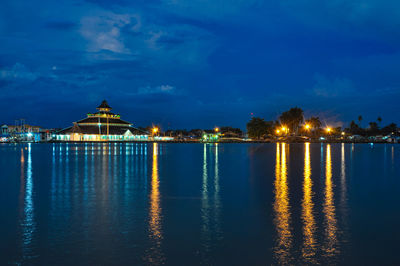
(208, 204)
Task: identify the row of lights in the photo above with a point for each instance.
(155, 130)
(306, 126)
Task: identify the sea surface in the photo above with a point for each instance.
(199, 204)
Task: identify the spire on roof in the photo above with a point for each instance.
(104, 106)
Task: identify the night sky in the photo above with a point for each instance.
(199, 63)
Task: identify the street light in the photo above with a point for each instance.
(216, 129)
(328, 130)
(307, 126)
(155, 130)
(278, 131)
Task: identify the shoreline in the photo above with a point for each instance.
(201, 142)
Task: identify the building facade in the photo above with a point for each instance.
(24, 133)
(101, 126)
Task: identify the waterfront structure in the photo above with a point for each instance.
(210, 137)
(22, 132)
(102, 126)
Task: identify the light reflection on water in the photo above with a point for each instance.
(28, 223)
(210, 200)
(155, 223)
(98, 202)
(309, 225)
(283, 243)
(330, 223)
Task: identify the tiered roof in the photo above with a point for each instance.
(102, 122)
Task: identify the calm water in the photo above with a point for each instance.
(188, 204)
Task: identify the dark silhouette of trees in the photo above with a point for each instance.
(360, 118)
(292, 119)
(373, 129)
(231, 132)
(258, 127)
(354, 129)
(314, 123)
(389, 129)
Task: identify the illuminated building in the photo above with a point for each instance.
(102, 126)
(22, 132)
(210, 137)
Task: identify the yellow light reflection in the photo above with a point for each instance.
(155, 209)
(282, 209)
(309, 227)
(155, 212)
(329, 208)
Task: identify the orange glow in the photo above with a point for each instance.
(216, 129)
(307, 126)
(155, 208)
(329, 208)
(328, 129)
(155, 130)
(282, 219)
(309, 225)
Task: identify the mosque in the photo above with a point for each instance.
(102, 126)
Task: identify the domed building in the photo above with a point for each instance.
(102, 126)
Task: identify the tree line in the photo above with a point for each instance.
(293, 123)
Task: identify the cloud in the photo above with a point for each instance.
(162, 89)
(18, 72)
(329, 88)
(103, 31)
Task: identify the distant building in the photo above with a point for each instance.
(210, 137)
(23, 132)
(102, 126)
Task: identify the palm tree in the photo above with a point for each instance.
(314, 122)
(379, 120)
(292, 118)
(360, 119)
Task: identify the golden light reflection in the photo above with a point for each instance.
(155, 212)
(155, 209)
(309, 226)
(329, 208)
(282, 208)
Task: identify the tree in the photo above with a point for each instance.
(292, 119)
(373, 129)
(231, 132)
(389, 129)
(354, 129)
(258, 127)
(314, 122)
(360, 119)
(379, 119)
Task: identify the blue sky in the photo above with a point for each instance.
(199, 63)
